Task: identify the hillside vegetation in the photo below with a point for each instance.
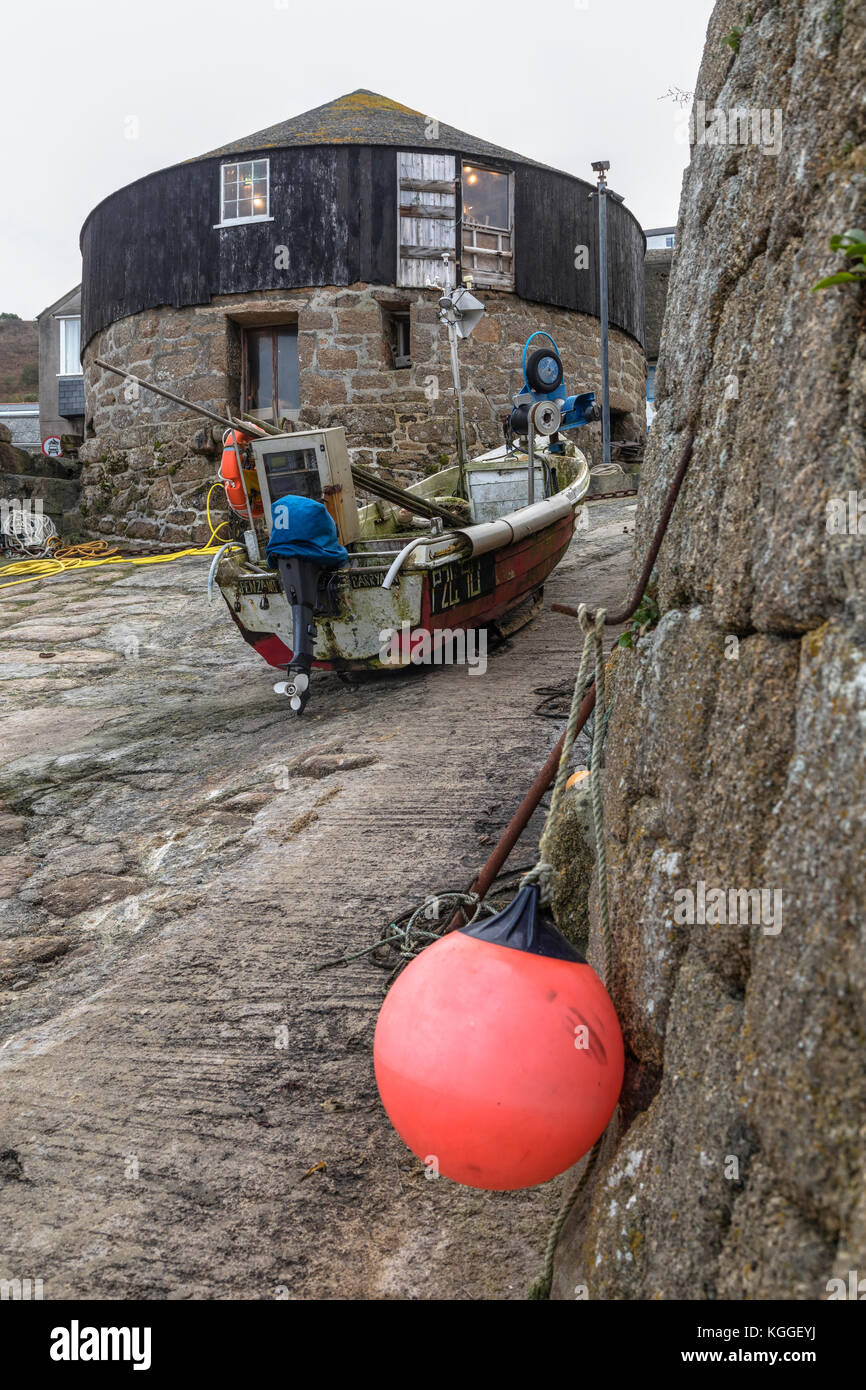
(19, 359)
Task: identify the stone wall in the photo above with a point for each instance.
(33, 482)
(148, 463)
(735, 750)
(657, 274)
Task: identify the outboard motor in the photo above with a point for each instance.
(302, 545)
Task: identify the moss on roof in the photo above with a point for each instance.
(365, 118)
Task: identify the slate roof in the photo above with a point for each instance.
(365, 118)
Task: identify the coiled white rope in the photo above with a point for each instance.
(27, 531)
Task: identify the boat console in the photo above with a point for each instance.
(313, 464)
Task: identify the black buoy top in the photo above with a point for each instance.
(525, 925)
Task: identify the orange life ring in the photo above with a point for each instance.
(230, 475)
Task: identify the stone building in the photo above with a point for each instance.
(660, 243)
(288, 274)
(61, 384)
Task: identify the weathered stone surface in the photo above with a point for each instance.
(159, 1032)
(15, 869)
(66, 897)
(147, 452)
(28, 951)
(735, 751)
(572, 858)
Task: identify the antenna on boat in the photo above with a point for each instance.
(460, 311)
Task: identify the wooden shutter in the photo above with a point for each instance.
(426, 219)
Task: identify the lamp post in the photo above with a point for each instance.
(460, 311)
(601, 167)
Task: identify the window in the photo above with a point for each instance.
(397, 333)
(488, 227)
(663, 240)
(70, 347)
(271, 389)
(245, 192)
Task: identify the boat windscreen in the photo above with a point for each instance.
(292, 471)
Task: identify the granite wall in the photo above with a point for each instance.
(735, 756)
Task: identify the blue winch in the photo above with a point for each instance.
(543, 402)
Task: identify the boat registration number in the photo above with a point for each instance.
(461, 582)
(260, 584)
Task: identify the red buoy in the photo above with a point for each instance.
(498, 1052)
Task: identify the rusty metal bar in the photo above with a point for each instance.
(615, 619)
(529, 804)
(223, 420)
(523, 814)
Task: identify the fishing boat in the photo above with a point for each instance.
(320, 579)
(420, 587)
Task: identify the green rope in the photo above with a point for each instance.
(539, 1289)
(543, 870)
(408, 938)
(541, 1286)
(593, 633)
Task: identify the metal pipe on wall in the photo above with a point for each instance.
(604, 308)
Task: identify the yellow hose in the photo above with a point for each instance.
(30, 570)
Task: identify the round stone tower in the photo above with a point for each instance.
(291, 274)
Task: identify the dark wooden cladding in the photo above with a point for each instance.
(334, 208)
(553, 216)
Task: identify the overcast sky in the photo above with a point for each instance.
(563, 81)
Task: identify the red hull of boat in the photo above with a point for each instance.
(520, 569)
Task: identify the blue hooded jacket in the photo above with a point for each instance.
(302, 526)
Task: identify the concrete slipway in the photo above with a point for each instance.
(178, 854)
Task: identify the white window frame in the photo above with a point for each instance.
(256, 217)
(77, 369)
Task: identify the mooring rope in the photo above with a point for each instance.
(539, 1289)
(593, 627)
(522, 816)
(541, 1286)
(592, 648)
(408, 937)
